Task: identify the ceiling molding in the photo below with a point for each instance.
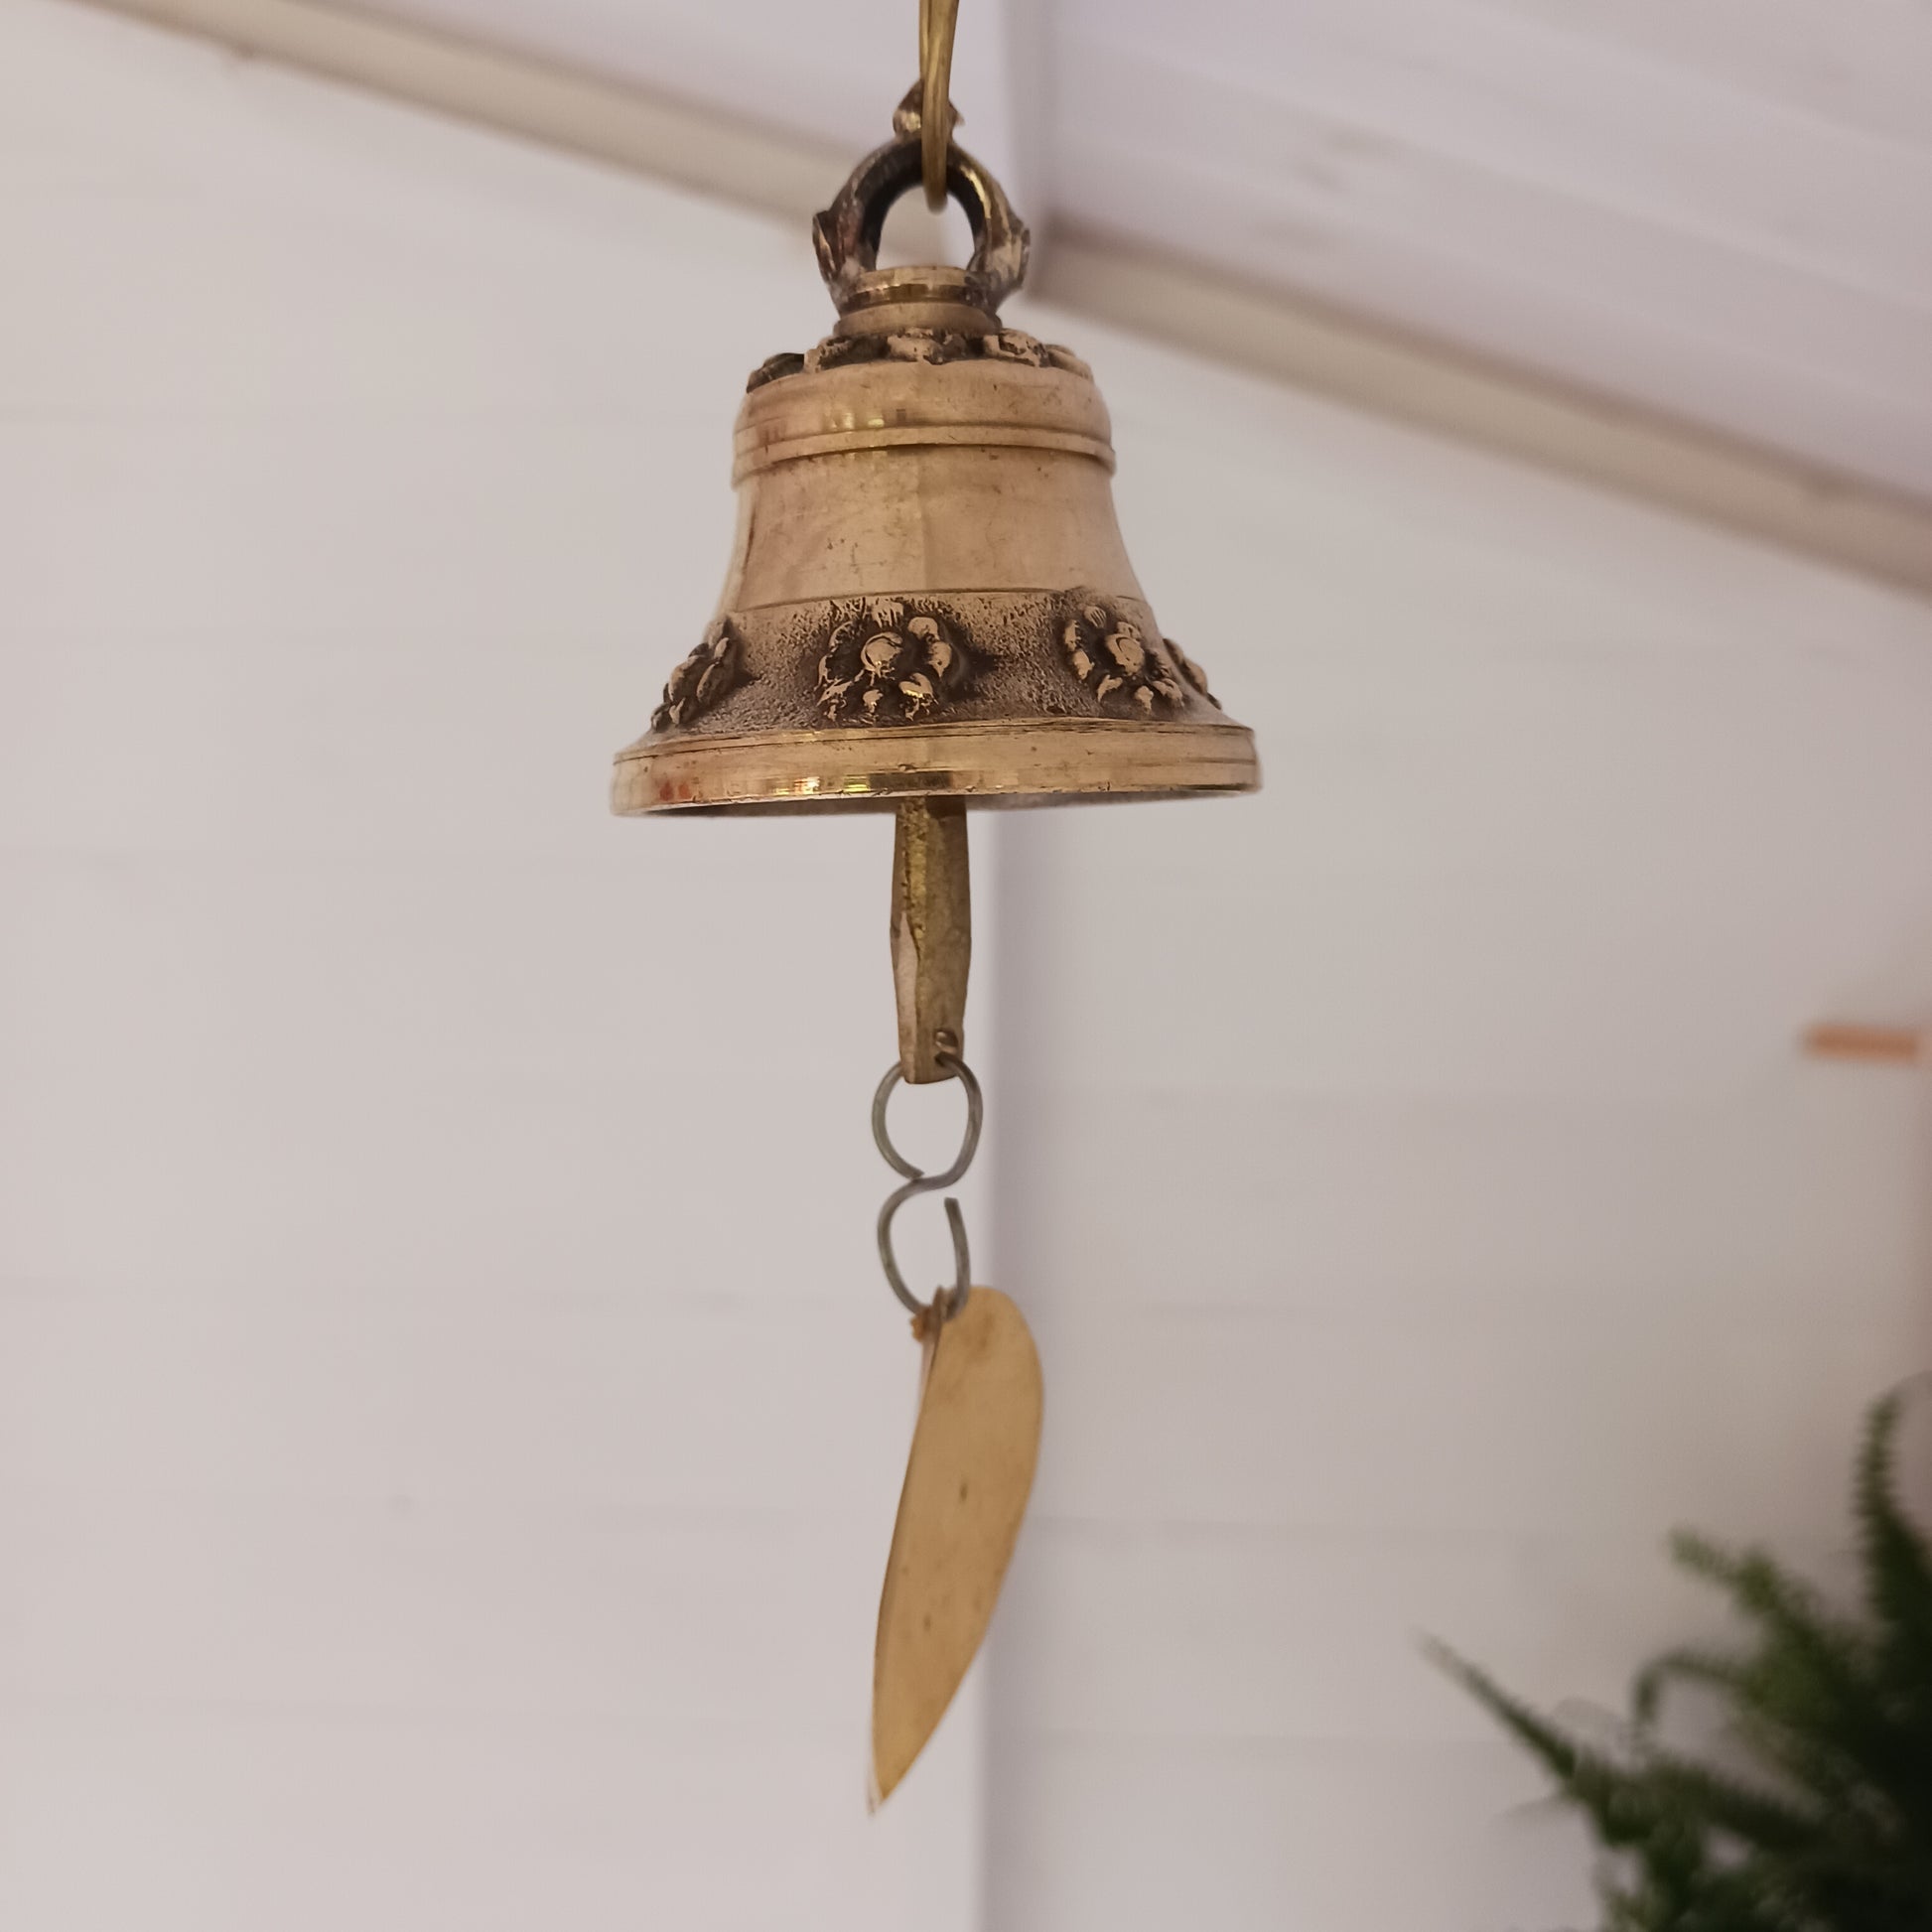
(1764, 493)
(772, 171)
(1761, 493)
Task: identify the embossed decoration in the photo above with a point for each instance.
(1010, 346)
(926, 346)
(1115, 659)
(920, 345)
(887, 662)
(703, 677)
(1193, 672)
(787, 362)
(836, 350)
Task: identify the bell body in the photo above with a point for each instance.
(928, 595)
(901, 478)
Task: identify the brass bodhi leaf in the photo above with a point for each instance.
(967, 1481)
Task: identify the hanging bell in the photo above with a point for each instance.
(929, 606)
(928, 595)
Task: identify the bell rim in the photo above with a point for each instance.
(995, 761)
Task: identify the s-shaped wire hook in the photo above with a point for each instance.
(947, 1301)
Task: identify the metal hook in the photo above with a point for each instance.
(945, 1301)
(938, 20)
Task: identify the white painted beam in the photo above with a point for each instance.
(1767, 494)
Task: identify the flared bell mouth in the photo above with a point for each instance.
(1037, 762)
(1014, 696)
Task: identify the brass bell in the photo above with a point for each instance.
(928, 595)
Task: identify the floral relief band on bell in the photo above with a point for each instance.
(701, 679)
(1108, 650)
(921, 345)
(1009, 692)
(887, 657)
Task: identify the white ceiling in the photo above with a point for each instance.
(1722, 208)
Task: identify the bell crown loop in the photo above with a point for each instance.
(846, 235)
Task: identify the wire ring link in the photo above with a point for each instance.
(947, 1301)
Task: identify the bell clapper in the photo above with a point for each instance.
(977, 1439)
(932, 935)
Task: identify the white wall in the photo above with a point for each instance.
(1713, 208)
(449, 1414)
(1410, 1173)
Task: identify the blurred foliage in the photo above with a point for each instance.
(1821, 1818)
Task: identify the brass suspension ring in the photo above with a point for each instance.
(938, 20)
(947, 1301)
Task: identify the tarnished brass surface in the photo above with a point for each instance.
(932, 936)
(927, 595)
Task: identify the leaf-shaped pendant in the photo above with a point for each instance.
(967, 1481)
